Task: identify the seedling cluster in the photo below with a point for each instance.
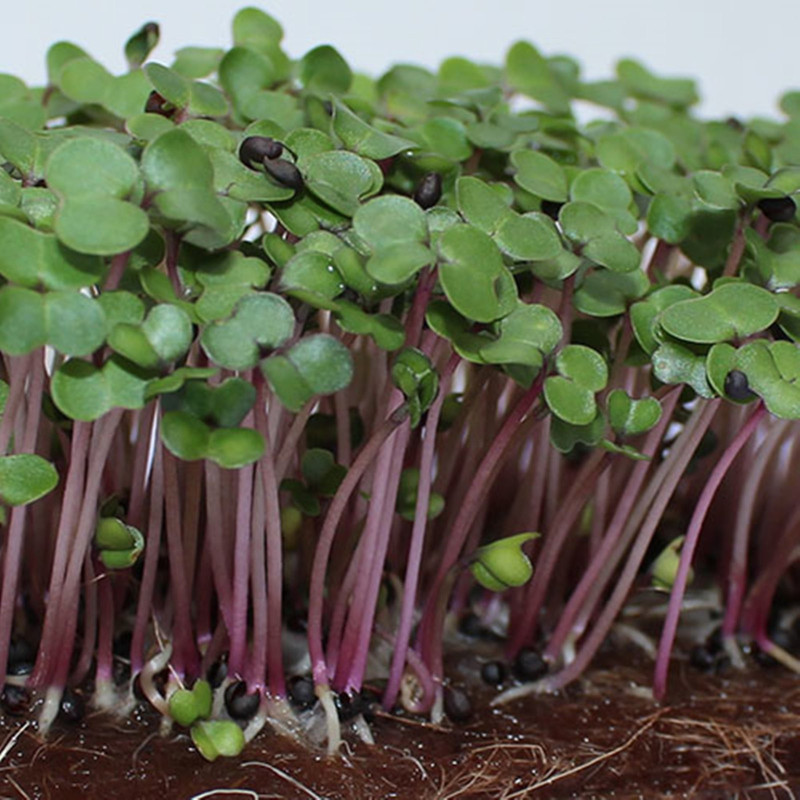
(300, 365)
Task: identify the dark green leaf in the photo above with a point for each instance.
(729, 311)
(25, 478)
(528, 72)
(138, 47)
(540, 175)
(184, 435)
(390, 220)
(31, 258)
(324, 71)
(629, 417)
(23, 326)
(80, 390)
(473, 275)
(102, 226)
(338, 178)
(171, 85)
(75, 324)
(363, 138)
(673, 363)
(233, 448)
(323, 362)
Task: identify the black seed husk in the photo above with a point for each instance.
(777, 209)
(494, 673)
(457, 704)
(301, 692)
(254, 149)
(429, 190)
(72, 706)
(529, 665)
(284, 172)
(239, 704)
(737, 386)
(348, 706)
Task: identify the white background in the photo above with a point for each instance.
(743, 54)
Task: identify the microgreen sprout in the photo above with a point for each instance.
(290, 354)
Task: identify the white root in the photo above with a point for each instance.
(149, 670)
(361, 727)
(52, 704)
(105, 696)
(283, 720)
(254, 726)
(437, 710)
(334, 729)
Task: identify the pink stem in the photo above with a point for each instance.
(184, 655)
(149, 573)
(15, 538)
(272, 513)
(689, 545)
(241, 570)
(102, 437)
(257, 673)
(400, 653)
(737, 568)
(570, 509)
(215, 541)
(70, 508)
(671, 478)
(429, 636)
(355, 674)
(325, 541)
(624, 506)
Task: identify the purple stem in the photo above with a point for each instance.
(625, 504)
(149, 573)
(192, 486)
(681, 453)
(759, 601)
(570, 509)
(257, 672)
(241, 570)
(139, 476)
(355, 673)
(272, 514)
(105, 636)
(102, 437)
(116, 271)
(416, 316)
(429, 637)
(322, 553)
(737, 567)
(216, 543)
(184, 655)
(689, 545)
(357, 607)
(90, 615)
(289, 446)
(172, 241)
(400, 653)
(341, 603)
(344, 453)
(17, 375)
(15, 538)
(70, 508)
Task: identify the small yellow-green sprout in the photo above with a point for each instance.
(502, 564)
(217, 738)
(188, 705)
(665, 567)
(120, 545)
